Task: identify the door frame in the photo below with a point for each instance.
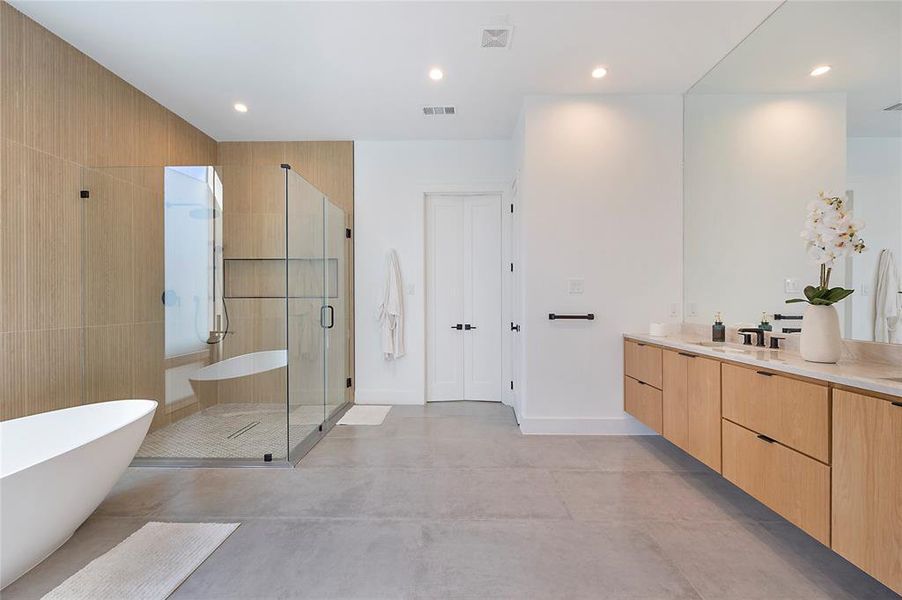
(488, 188)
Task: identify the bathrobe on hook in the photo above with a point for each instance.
(391, 311)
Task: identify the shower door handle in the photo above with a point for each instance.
(322, 317)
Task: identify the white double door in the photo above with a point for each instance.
(463, 297)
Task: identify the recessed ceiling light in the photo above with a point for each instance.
(435, 74)
(818, 71)
(599, 72)
(242, 108)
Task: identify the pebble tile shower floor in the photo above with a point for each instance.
(451, 501)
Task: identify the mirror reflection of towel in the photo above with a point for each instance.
(888, 308)
(391, 311)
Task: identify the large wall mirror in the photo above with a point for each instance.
(765, 132)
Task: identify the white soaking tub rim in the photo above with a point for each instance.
(243, 365)
(12, 462)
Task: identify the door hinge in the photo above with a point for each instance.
(512, 208)
(512, 385)
(348, 233)
(85, 194)
(348, 382)
(512, 267)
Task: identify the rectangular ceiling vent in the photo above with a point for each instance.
(435, 111)
(497, 36)
(894, 107)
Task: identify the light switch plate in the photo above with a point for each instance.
(576, 286)
(691, 310)
(791, 286)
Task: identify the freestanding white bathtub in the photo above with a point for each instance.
(55, 469)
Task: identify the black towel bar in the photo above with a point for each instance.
(779, 317)
(586, 317)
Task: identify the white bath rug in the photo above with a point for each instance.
(365, 415)
(148, 565)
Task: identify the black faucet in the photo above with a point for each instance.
(747, 339)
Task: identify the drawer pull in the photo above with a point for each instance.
(765, 373)
(640, 344)
(894, 403)
(641, 382)
(686, 354)
(764, 438)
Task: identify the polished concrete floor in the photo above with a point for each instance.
(450, 501)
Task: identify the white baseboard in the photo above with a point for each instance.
(388, 397)
(608, 426)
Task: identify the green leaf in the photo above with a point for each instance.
(794, 300)
(837, 294)
(821, 302)
(811, 291)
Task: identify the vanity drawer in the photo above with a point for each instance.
(792, 484)
(642, 362)
(643, 402)
(795, 413)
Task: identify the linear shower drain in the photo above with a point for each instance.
(243, 430)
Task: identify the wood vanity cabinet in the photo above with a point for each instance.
(691, 405)
(642, 383)
(867, 484)
(642, 362)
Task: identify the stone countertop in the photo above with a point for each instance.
(870, 376)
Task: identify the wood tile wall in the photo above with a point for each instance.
(80, 318)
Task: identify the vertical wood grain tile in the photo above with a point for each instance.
(12, 95)
(53, 225)
(54, 369)
(109, 244)
(13, 298)
(149, 362)
(13, 376)
(108, 363)
(148, 258)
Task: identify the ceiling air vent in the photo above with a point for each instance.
(894, 107)
(497, 36)
(435, 111)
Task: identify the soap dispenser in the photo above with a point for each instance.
(765, 324)
(718, 330)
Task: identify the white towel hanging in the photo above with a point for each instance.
(391, 311)
(888, 301)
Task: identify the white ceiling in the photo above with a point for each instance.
(358, 70)
(861, 41)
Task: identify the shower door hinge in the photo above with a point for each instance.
(348, 233)
(348, 382)
(85, 194)
(512, 208)
(512, 267)
(285, 166)
(512, 386)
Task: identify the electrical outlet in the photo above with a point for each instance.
(692, 309)
(674, 310)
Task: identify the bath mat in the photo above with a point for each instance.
(148, 565)
(365, 415)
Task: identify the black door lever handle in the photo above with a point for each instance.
(468, 327)
(457, 327)
(515, 327)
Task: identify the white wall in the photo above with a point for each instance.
(390, 181)
(875, 177)
(600, 188)
(753, 162)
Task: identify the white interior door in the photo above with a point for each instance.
(445, 298)
(464, 279)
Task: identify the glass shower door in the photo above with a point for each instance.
(307, 314)
(337, 306)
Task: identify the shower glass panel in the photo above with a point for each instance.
(220, 292)
(307, 311)
(335, 283)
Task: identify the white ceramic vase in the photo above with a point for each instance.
(821, 340)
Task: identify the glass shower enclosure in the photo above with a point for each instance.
(220, 292)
